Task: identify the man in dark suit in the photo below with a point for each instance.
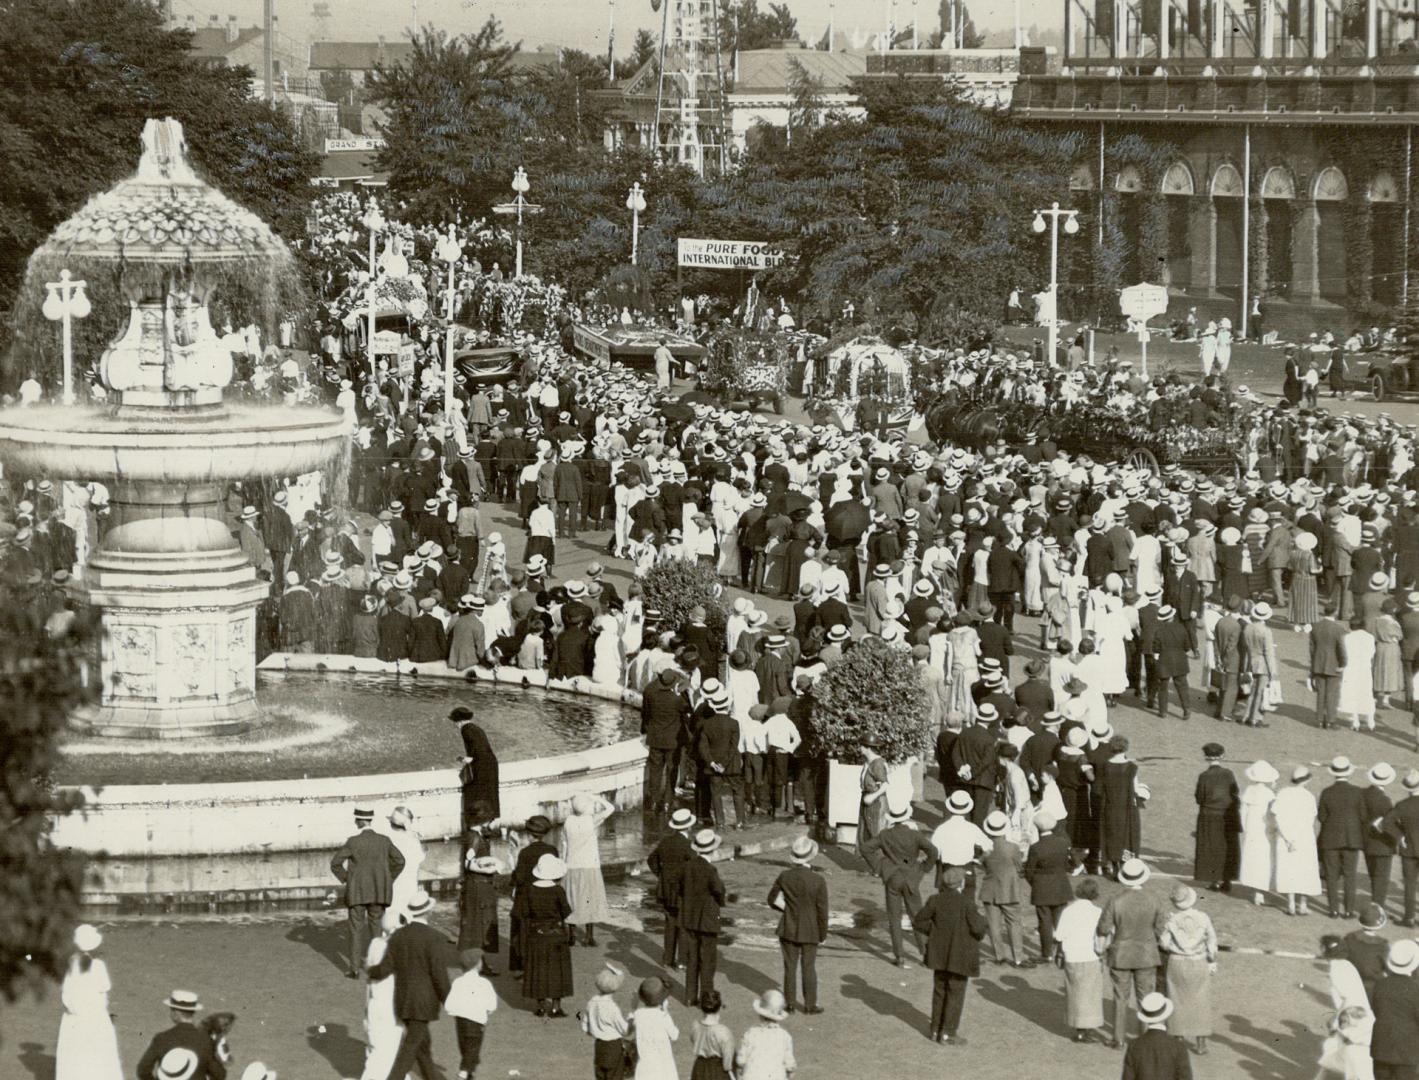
(1341, 813)
(701, 896)
(1394, 1042)
(899, 853)
(1327, 664)
(1365, 948)
(665, 711)
(801, 893)
(953, 928)
(1169, 646)
(1217, 851)
(1184, 592)
(419, 958)
(1039, 752)
(722, 764)
(1005, 571)
(1047, 868)
(1156, 1055)
(667, 862)
(973, 761)
(366, 865)
(1034, 695)
(1403, 822)
(538, 826)
(187, 1044)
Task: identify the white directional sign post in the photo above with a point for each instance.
(1140, 303)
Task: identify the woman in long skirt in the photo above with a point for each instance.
(480, 773)
(1305, 601)
(1119, 823)
(965, 661)
(88, 1046)
(1258, 844)
(872, 813)
(1357, 682)
(547, 961)
(406, 840)
(1190, 943)
(1389, 666)
(1297, 861)
(383, 1031)
(585, 887)
(1076, 778)
(1074, 939)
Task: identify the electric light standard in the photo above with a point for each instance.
(519, 185)
(1071, 226)
(66, 301)
(635, 203)
(374, 222)
(449, 250)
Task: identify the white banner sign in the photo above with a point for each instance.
(728, 254)
(365, 143)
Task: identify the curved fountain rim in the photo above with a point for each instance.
(373, 784)
(308, 418)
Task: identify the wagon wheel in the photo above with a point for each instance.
(1377, 386)
(1140, 457)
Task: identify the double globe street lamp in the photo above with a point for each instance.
(1071, 226)
(635, 203)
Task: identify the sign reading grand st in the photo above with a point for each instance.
(728, 254)
(365, 143)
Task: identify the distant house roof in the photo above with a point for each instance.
(769, 71)
(211, 42)
(367, 55)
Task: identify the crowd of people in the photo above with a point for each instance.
(1165, 590)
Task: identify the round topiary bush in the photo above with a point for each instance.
(873, 693)
(676, 588)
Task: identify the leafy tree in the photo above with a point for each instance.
(337, 85)
(676, 588)
(873, 693)
(82, 77)
(643, 50)
(744, 26)
(41, 682)
(807, 106)
(971, 38)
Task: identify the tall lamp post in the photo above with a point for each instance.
(520, 186)
(64, 302)
(1071, 226)
(635, 203)
(374, 222)
(449, 250)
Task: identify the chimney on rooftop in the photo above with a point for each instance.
(232, 31)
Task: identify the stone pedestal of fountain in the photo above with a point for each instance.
(176, 593)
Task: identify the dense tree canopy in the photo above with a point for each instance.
(744, 26)
(81, 77)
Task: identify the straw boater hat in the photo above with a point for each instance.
(1340, 767)
(1262, 772)
(183, 1001)
(959, 802)
(1261, 611)
(87, 938)
(1134, 872)
(683, 820)
(1155, 1008)
(549, 868)
(705, 841)
(179, 1063)
(804, 850)
(421, 905)
(996, 823)
(1403, 956)
(1183, 896)
(1381, 773)
(899, 806)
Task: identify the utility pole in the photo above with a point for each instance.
(268, 56)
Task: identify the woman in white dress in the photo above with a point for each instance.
(1033, 553)
(1258, 843)
(1357, 681)
(1297, 861)
(1109, 624)
(727, 505)
(403, 836)
(627, 493)
(606, 663)
(586, 889)
(88, 1046)
(383, 1031)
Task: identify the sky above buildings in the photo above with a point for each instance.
(580, 23)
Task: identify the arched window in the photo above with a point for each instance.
(1278, 184)
(1226, 182)
(1178, 180)
(1383, 189)
(1128, 181)
(1081, 179)
(1330, 185)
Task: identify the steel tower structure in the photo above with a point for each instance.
(690, 120)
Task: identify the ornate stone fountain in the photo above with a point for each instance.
(178, 597)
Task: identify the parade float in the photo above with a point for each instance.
(863, 384)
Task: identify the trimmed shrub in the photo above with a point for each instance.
(872, 693)
(675, 588)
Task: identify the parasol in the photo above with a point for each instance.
(847, 521)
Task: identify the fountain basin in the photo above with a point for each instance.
(258, 841)
(197, 446)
